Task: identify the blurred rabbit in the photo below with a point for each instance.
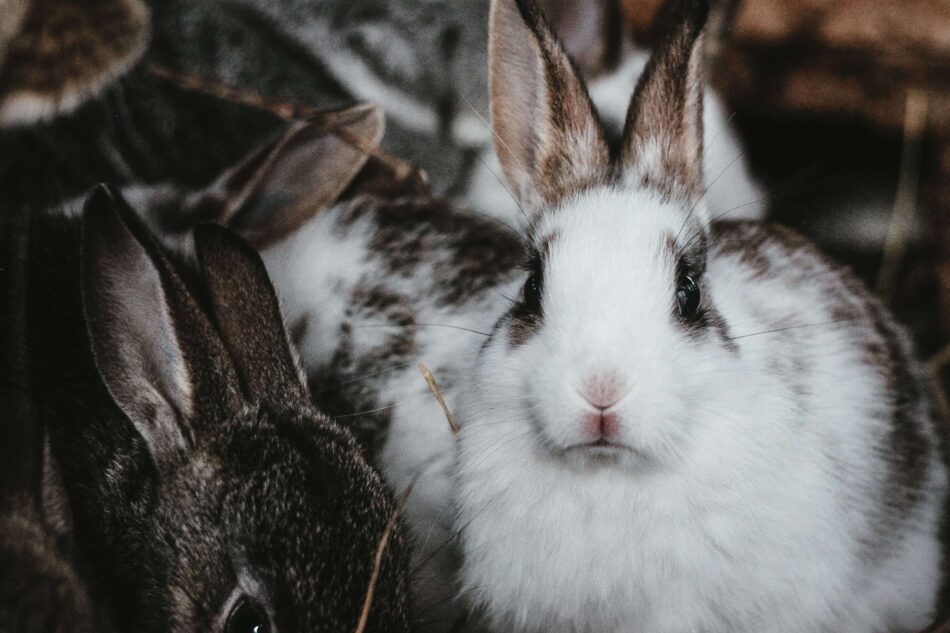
(207, 493)
(56, 54)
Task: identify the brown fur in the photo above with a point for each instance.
(66, 51)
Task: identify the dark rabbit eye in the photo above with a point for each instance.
(247, 616)
(531, 294)
(687, 297)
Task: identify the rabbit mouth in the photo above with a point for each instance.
(601, 449)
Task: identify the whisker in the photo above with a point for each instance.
(422, 324)
(487, 124)
(484, 163)
(496, 219)
(482, 160)
(366, 412)
(363, 377)
(505, 297)
(705, 191)
(458, 532)
(700, 232)
(790, 327)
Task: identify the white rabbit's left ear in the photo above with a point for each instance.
(55, 55)
(663, 136)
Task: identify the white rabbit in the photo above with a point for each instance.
(680, 425)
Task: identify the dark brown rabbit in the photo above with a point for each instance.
(207, 493)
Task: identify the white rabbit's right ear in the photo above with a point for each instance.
(131, 329)
(663, 135)
(285, 183)
(547, 135)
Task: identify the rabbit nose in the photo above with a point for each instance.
(603, 390)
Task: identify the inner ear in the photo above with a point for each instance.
(663, 136)
(548, 138)
(134, 340)
(286, 182)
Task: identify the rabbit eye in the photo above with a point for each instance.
(247, 616)
(687, 297)
(531, 293)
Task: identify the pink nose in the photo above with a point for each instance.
(602, 390)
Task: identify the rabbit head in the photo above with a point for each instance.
(229, 503)
(615, 292)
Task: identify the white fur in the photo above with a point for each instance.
(743, 506)
(733, 193)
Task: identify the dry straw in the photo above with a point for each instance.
(402, 170)
(378, 560)
(434, 387)
(905, 201)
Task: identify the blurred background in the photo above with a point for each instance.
(842, 106)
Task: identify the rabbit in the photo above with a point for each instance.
(680, 424)
(56, 55)
(206, 492)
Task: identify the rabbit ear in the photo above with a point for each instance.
(249, 319)
(155, 349)
(285, 183)
(590, 30)
(135, 343)
(56, 55)
(547, 136)
(663, 136)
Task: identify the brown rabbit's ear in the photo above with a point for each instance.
(137, 348)
(590, 30)
(156, 350)
(54, 55)
(547, 135)
(285, 183)
(249, 319)
(663, 136)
